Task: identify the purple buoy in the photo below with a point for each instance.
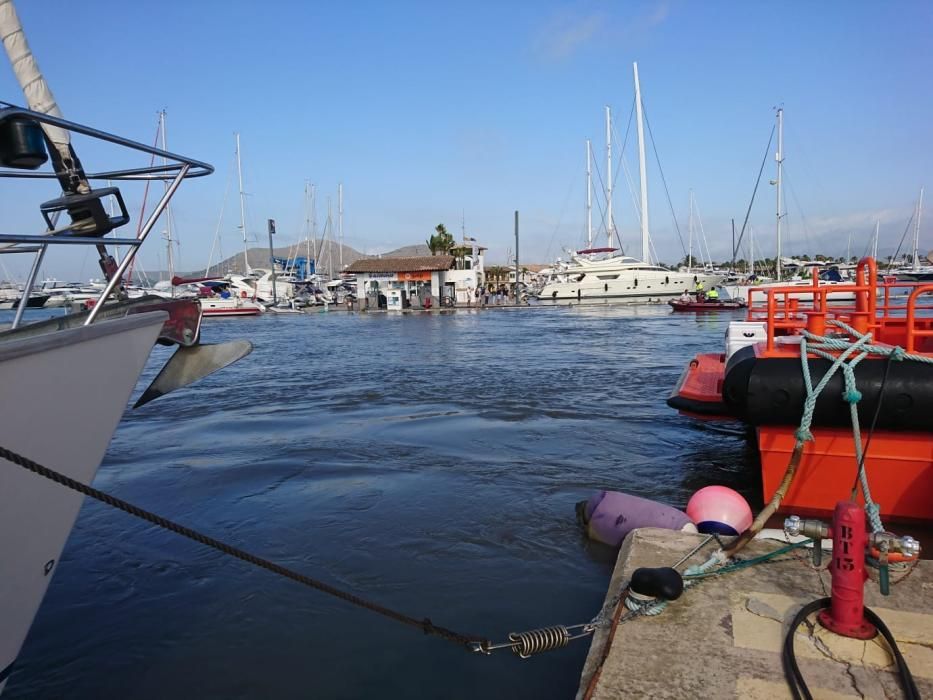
(610, 515)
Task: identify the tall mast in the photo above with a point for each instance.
(589, 195)
(690, 237)
(308, 226)
(642, 171)
(239, 172)
(610, 224)
(314, 223)
(329, 228)
(916, 262)
(168, 212)
(340, 224)
(779, 157)
(874, 243)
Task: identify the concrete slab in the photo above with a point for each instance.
(723, 637)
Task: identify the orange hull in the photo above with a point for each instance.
(899, 465)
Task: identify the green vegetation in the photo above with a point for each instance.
(441, 242)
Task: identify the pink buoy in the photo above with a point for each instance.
(719, 510)
(610, 515)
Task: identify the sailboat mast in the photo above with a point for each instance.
(308, 226)
(874, 243)
(589, 195)
(340, 225)
(609, 220)
(642, 170)
(779, 157)
(239, 172)
(916, 262)
(314, 222)
(168, 211)
(690, 237)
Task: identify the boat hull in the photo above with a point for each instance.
(95, 367)
(629, 285)
(212, 308)
(678, 305)
(899, 467)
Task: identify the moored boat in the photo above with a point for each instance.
(91, 359)
(761, 379)
(707, 305)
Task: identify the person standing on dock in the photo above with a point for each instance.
(470, 293)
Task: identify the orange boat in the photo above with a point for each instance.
(760, 380)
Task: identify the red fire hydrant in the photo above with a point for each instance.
(846, 613)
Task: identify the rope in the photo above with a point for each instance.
(424, 624)
(824, 347)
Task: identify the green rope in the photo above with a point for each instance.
(703, 570)
(825, 347)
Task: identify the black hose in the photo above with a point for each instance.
(798, 687)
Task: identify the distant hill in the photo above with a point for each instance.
(328, 259)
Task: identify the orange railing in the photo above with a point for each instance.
(788, 310)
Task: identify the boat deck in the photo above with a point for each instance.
(723, 637)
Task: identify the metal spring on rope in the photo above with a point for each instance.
(536, 641)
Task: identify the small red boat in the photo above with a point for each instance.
(707, 305)
(760, 380)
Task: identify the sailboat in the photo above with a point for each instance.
(608, 273)
(919, 271)
(842, 290)
(92, 359)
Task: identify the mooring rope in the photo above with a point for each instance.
(861, 347)
(424, 624)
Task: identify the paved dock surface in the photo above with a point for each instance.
(723, 637)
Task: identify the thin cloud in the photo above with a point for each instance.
(568, 31)
(565, 34)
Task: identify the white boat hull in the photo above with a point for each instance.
(95, 367)
(233, 306)
(841, 290)
(628, 285)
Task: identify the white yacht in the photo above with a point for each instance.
(608, 273)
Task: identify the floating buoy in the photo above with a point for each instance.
(610, 515)
(719, 510)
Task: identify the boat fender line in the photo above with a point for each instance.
(798, 686)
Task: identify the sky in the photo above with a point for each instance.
(463, 112)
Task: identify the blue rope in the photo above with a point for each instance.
(858, 350)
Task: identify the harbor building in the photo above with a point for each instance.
(401, 283)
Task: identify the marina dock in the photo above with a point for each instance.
(723, 637)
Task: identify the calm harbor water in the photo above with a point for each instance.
(428, 462)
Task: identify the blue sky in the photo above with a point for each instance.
(432, 111)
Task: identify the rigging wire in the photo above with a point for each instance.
(670, 203)
(560, 218)
(901, 242)
(803, 218)
(748, 212)
(220, 221)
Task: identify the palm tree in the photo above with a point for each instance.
(441, 242)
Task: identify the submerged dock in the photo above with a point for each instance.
(723, 636)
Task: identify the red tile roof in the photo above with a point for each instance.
(428, 263)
